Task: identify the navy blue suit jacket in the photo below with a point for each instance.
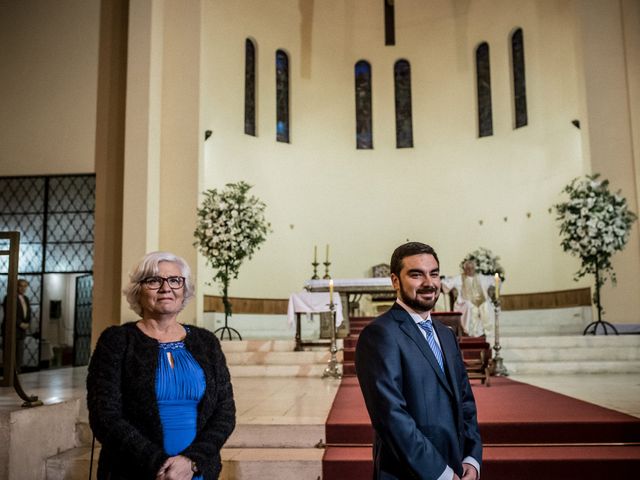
(424, 419)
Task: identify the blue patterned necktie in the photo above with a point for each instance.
(427, 326)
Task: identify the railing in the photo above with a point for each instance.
(10, 375)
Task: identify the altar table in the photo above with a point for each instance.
(310, 303)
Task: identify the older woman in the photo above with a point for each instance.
(159, 394)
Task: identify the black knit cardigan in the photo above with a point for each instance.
(123, 410)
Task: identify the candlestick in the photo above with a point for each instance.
(332, 369)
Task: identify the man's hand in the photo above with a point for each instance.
(469, 472)
(24, 325)
(175, 468)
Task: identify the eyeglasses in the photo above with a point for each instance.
(155, 283)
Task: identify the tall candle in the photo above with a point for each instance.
(315, 254)
(497, 278)
(331, 290)
(327, 260)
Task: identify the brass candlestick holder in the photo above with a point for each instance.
(315, 270)
(498, 364)
(332, 369)
(326, 274)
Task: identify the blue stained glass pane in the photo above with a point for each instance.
(282, 96)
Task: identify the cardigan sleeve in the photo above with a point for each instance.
(219, 425)
(104, 401)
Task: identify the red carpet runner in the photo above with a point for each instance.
(529, 434)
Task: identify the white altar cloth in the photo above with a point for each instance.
(352, 285)
(313, 302)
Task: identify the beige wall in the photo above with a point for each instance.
(49, 61)
(186, 75)
(610, 61)
(319, 189)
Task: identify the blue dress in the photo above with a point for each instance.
(180, 385)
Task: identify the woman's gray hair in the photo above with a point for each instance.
(148, 267)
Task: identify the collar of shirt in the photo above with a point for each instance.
(418, 319)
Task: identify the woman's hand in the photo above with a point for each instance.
(175, 468)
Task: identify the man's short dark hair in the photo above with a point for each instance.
(407, 250)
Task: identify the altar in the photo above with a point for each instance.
(352, 289)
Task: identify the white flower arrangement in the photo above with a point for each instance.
(231, 227)
(594, 224)
(486, 262)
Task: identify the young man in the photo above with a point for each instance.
(414, 382)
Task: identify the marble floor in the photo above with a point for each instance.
(306, 400)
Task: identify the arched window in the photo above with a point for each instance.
(389, 22)
(250, 87)
(404, 123)
(364, 133)
(483, 78)
(519, 84)
(282, 96)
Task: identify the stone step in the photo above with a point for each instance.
(277, 358)
(571, 354)
(309, 370)
(307, 435)
(583, 341)
(229, 346)
(276, 463)
(552, 354)
(553, 321)
(237, 463)
(234, 346)
(571, 367)
(72, 464)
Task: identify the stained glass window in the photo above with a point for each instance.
(249, 87)
(364, 133)
(519, 84)
(483, 77)
(389, 22)
(404, 123)
(282, 96)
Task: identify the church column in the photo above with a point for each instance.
(109, 163)
(182, 139)
(608, 44)
(141, 196)
(162, 155)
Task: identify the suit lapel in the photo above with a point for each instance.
(409, 327)
(449, 350)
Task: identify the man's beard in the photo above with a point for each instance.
(417, 304)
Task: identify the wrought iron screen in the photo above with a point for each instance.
(55, 218)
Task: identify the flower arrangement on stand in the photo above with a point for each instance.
(230, 229)
(594, 224)
(486, 262)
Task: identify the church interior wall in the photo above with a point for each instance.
(452, 189)
(49, 60)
